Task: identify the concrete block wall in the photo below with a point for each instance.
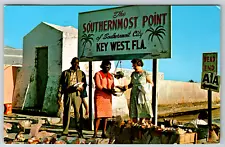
(40, 36)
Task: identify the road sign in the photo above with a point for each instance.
(210, 81)
(209, 62)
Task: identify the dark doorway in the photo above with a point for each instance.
(41, 75)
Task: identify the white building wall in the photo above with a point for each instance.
(42, 35)
(54, 73)
(69, 49)
(177, 92)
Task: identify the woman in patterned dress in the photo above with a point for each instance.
(104, 85)
(140, 105)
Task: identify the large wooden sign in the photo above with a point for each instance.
(124, 33)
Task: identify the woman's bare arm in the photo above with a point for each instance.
(148, 79)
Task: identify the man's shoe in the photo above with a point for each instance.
(104, 135)
(80, 135)
(94, 136)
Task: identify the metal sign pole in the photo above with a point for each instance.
(154, 91)
(210, 79)
(90, 97)
(210, 109)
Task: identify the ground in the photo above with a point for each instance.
(180, 112)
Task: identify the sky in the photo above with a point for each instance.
(195, 30)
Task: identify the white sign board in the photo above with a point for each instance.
(124, 33)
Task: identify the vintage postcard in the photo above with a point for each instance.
(135, 74)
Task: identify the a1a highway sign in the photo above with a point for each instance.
(210, 81)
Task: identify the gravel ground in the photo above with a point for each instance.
(180, 112)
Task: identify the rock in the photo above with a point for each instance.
(54, 120)
(46, 140)
(53, 139)
(14, 142)
(7, 126)
(74, 140)
(33, 140)
(112, 141)
(43, 121)
(60, 142)
(77, 141)
(25, 123)
(19, 137)
(216, 128)
(16, 128)
(8, 140)
(102, 141)
(91, 141)
(63, 138)
(44, 134)
(212, 136)
(5, 133)
(35, 129)
(82, 141)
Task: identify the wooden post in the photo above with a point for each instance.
(154, 91)
(210, 109)
(90, 97)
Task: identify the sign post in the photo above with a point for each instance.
(125, 33)
(154, 91)
(210, 80)
(90, 98)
